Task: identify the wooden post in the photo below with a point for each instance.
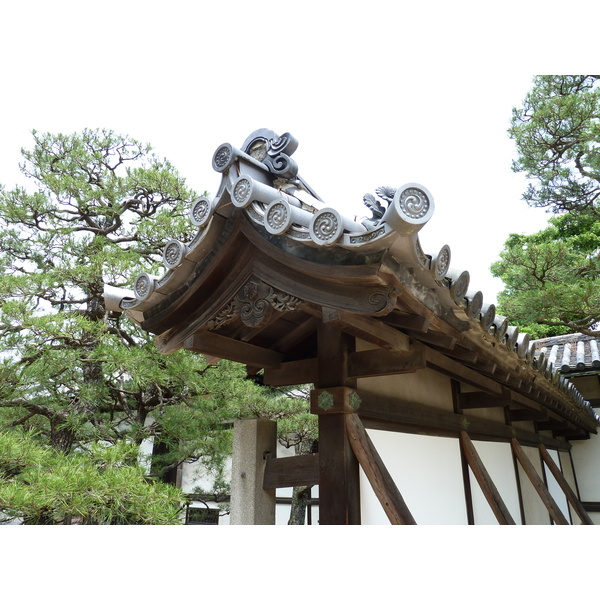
(381, 481)
(555, 513)
(485, 481)
(566, 488)
(339, 484)
(455, 388)
(254, 442)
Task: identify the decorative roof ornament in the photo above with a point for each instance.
(263, 196)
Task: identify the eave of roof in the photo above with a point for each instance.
(265, 221)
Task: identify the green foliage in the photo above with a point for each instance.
(552, 277)
(97, 485)
(556, 133)
(79, 378)
(94, 217)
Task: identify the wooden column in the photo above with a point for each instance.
(339, 489)
(455, 387)
(539, 486)
(383, 485)
(485, 481)
(566, 488)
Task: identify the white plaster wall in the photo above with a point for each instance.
(566, 466)
(424, 386)
(555, 489)
(586, 459)
(426, 470)
(498, 461)
(193, 475)
(535, 510)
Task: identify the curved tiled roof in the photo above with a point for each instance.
(573, 353)
(294, 227)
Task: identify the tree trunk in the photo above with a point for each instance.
(301, 494)
(62, 436)
(300, 497)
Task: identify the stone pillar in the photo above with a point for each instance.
(253, 441)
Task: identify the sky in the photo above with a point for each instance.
(377, 93)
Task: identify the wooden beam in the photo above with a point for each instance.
(296, 335)
(372, 363)
(224, 347)
(471, 400)
(381, 481)
(294, 372)
(212, 360)
(566, 488)
(485, 367)
(485, 481)
(392, 414)
(406, 321)
(518, 400)
(367, 328)
(453, 369)
(581, 436)
(527, 414)
(551, 425)
(539, 486)
(462, 354)
(291, 471)
(435, 339)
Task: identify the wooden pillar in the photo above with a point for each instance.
(485, 481)
(566, 488)
(339, 490)
(254, 441)
(553, 509)
(455, 389)
(382, 482)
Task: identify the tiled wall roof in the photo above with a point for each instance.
(262, 181)
(571, 353)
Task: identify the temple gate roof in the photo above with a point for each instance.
(270, 258)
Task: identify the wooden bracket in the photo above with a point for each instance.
(372, 363)
(223, 347)
(367, 328)
(294, 372)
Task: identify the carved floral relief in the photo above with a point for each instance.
(254, 304)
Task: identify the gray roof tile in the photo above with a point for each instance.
(571, 353)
